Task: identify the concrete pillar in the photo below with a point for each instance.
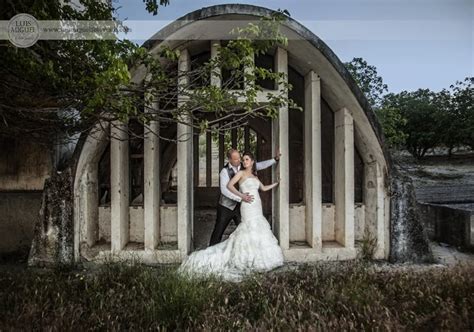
(215, 75)
(91, 204)
(152, 190)
(281, 206)
(344, 177)
(312, 145)
(370, 198)
(86, 198)
(119, 181)
(185, 165)
(374, 201)
(380, 249)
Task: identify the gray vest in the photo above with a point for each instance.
(224, 200)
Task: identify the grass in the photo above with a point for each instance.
(326, 296)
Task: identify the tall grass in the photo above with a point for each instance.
(330, 296)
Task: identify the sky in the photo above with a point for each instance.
(412, 43)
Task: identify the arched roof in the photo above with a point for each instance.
(301, 31)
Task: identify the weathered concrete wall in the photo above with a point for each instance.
(168, 224)
(297, 222)
(53, 235)
(448, 225)
(18, 213)
(409, 241)
(445, 193)
(23, 165)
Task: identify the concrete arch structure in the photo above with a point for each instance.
(308, 232)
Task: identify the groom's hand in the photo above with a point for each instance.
(247, 198)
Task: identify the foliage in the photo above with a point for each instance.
(368, 245)
(434, 119)
(392, 122)
(373, 88)
(422, 113)
(331, 296)
(459, 109)
(153, 5)
(419, 120)
(42, 85)
(457, 114)
(57, 87)
(232, 104)
(368, 80)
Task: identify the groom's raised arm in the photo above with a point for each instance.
(265, 164)
(224, 181)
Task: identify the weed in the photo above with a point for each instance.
(342, 296)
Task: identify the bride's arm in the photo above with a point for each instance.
(232, 182)
(268, 187)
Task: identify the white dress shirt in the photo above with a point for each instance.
(224, 177)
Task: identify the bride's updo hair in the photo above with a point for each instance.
(254, 166)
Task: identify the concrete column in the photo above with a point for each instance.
(91, 207)
(344, 177)
(374, 200)
(152, 190)
(312, 145)
(119, 180)
(380, 250)
(86, 197)
(281, 208)
(215, 75)
(185, 166)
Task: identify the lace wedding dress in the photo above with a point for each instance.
(252, 247)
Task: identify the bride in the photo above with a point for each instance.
(252, 247)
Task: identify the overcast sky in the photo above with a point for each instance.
(413, 43)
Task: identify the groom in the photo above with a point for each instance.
(229, 204)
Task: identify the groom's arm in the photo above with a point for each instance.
(265, 164)
(224, 180)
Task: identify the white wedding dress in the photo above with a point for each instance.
(252, 247)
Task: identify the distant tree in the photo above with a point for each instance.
(153, 5)
(456, 118)
(423, 112)
(451, 133)
(422, 119)
(463, 106)
(373, 88)
(392, 122)
(368, 80)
